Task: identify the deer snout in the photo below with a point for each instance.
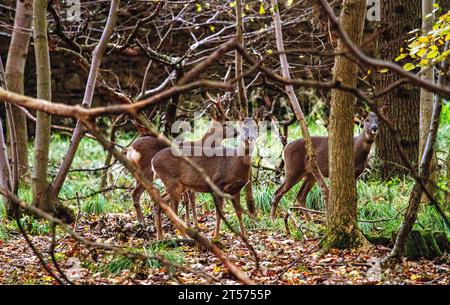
(374, 129)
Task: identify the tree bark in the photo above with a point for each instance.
(43, 120)
(399, 17)
(14, 74)
(5, 171)
(426, 97)
(343, 230)
(242, 97)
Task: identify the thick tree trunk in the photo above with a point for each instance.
(426, 98)
(399, 17)
(242, 98)
(342, 209)
(42, 140)
(14, 70)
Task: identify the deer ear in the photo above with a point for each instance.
(259, 113)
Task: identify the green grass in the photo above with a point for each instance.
(120, 263)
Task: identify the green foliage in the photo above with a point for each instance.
(175, 256)
(119, 264)
(98, 206)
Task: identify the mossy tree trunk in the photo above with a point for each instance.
(398, 18)
(343, 231)
(14, 74)
(39, 177)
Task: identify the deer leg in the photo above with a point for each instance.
(303, 194)
(175, 192)
(219, 211)
(136, 195)
(193, 209)
(186, 209)
(159, 231)
(238, 209)
(279, 193)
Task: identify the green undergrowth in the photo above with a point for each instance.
(118, 263)
(381, 204)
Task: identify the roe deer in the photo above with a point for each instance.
(227, 167)
(142, 151)
(297, 164)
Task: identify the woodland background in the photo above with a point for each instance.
(151, 47)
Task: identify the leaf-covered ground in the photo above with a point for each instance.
(276, 251)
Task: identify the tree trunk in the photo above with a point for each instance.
(342, 209)
(424, 170)
(295, 104)
(42, 140)
(88, 96)
(14, 73)
(426, 98)
(5, 171)
(399, 17)
(242, 98)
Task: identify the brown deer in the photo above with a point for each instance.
(227, 167)
(297, 164)
(142, 151)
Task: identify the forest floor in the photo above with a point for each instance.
(283, 260)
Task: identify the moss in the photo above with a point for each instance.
(343, 240)
(420, 244)
(380, 240)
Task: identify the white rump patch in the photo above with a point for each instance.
(133, 155)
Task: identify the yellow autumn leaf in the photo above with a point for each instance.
(409, 66)
(422, 52)
(384, 70)
(424, 62)
(400, 57)
(432, 54)
(216, 269)
(262, 10)
(423, 39)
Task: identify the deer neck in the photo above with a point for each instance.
(245, 152)
(362, 146)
